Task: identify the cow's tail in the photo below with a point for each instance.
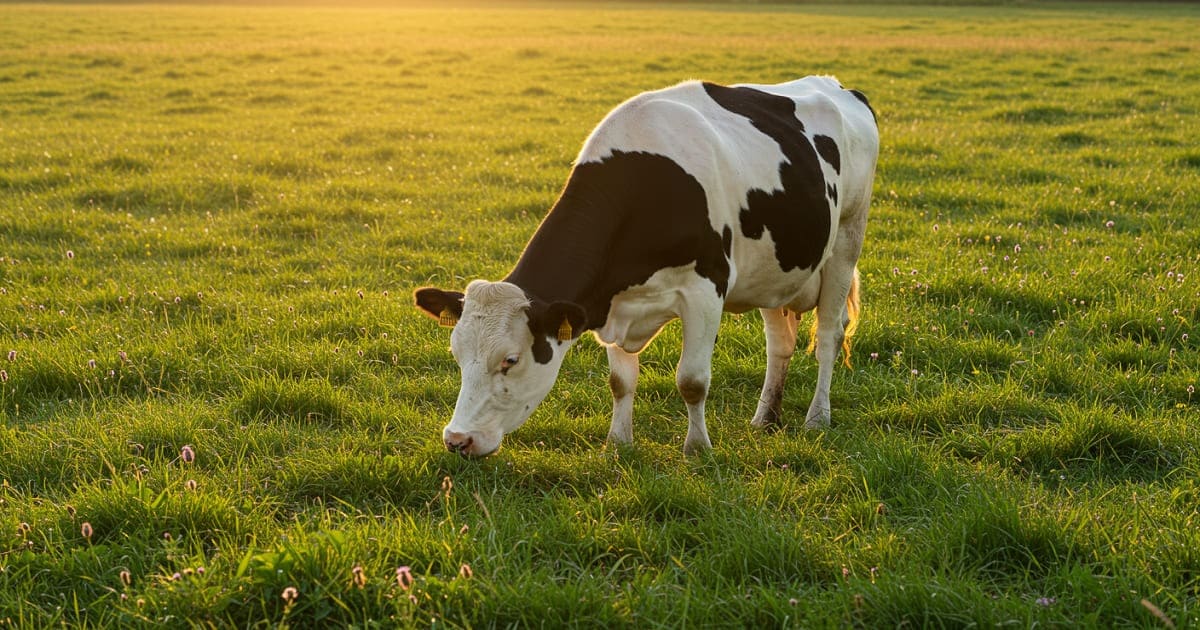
(853, 307)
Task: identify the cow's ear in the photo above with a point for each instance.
(444, 306)
(564, 320)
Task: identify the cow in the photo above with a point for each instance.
(684, 202)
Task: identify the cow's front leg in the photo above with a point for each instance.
(622, 380)
(694, 373)
(780, 327)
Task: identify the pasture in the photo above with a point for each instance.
(212, 219)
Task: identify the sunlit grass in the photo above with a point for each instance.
(212, 219)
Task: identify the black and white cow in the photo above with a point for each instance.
(684, 202)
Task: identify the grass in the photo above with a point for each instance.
(212, 218)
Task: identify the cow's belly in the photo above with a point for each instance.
(761, 283)
(797, 290)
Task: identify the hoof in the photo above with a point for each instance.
(769, 420)
(696, 447)
(818, 421)
(619, 440)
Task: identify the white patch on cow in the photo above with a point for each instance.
(496, 398)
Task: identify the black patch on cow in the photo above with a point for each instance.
(797, 216)
(617, 222)
(828, 149)
(545, 321)
(542, 353)
(832, 192)
(863, 97)
(727, 241)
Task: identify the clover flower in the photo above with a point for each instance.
(360, 577)
(404, 577)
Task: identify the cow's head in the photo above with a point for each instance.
(508, 348)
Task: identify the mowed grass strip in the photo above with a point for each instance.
(219, 407)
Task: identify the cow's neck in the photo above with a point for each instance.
(567, 256)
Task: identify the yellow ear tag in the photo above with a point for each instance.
(564, 331)
(447, 318)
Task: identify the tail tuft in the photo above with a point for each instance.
(853, 308)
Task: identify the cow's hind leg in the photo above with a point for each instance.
(622, 380)
(839, 289)
(779, 324)
(692, 377)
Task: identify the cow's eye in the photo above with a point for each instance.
(508, 362)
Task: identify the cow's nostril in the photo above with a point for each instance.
(458, 442)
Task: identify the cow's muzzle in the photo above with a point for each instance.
(467, 444)
(459, 442)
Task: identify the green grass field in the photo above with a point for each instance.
(212, 220)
